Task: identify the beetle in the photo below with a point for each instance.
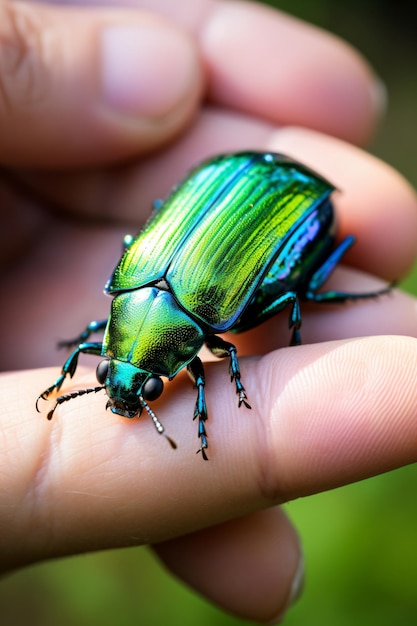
(242, 237)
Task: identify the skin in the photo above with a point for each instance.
(83, 155)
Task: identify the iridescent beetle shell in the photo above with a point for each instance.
(239, 239)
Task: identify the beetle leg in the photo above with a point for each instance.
(295, 322)
(222, 349)
(196, 372)
(69, 368)
(322, 274)
(258, 312)
(93, 327)
(343, 296)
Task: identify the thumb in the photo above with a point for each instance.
(82, 86)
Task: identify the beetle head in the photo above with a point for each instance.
(128, 388)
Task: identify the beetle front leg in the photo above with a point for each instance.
(222, 349)
(69, 368)
(196, 372)
(295, 323)
(95, 326)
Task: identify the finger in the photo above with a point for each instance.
(323, 415)
(251, 567)
(77, 86)
(272, 65)
(289, 72)
(373, 202)
(353, 419)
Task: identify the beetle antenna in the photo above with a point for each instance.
(157, 423)
(70, 396)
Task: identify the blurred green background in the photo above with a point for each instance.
(360, 541)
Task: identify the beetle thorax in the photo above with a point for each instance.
(148, 329)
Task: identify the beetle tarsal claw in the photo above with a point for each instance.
(243, 399)
(240, 390)
(44, 396)
(41, 397)
(203, 452)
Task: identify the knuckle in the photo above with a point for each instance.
(22, 56)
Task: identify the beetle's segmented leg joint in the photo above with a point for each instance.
(69, 369)
(203, 436)
(295, 323)
(235, 376)
(296, 337)
(196, 372)
(223, 349)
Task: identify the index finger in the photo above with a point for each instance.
(318, 421)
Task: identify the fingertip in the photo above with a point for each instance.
(98, 85)
(146, 68)
(253, 566)
(340, 412)
(290, 72)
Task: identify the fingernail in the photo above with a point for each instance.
(146, 69)
(296, 589)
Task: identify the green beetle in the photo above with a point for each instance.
(240, 238)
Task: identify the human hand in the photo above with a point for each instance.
(89, 480)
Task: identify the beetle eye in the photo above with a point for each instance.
(102, 370)
(153, 388)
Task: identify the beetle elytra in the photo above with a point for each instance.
(242, 237)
